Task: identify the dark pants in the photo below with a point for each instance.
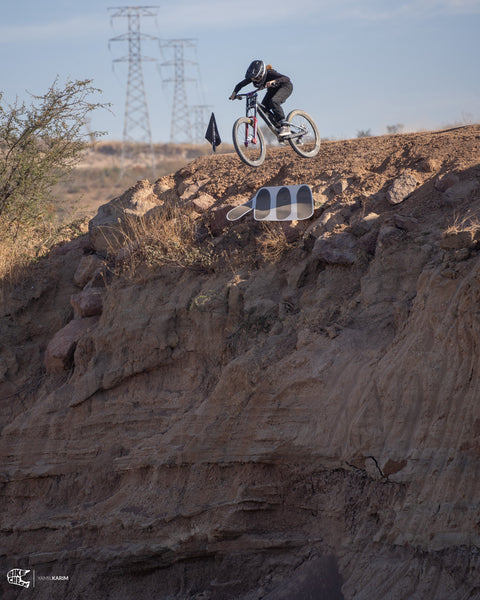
(273, 99)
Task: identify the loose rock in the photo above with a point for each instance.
(402, 188)
(60, 350)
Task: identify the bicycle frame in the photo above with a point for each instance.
(253, 107)
(249, 139)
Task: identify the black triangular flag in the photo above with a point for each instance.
(212, 134)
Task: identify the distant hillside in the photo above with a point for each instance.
(101, 176)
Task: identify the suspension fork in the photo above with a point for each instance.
(251, 114)
(253, 125)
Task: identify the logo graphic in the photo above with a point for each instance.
(277, 203)
(15, 577)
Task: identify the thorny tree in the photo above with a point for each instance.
(39, 144)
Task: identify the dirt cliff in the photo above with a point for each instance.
(301, 423)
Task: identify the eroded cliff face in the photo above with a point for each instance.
(307, 428)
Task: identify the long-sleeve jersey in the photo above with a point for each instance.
(270, 76)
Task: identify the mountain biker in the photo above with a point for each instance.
(279, 87)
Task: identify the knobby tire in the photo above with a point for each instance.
(253, 154)
(309, 145)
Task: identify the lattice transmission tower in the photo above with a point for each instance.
(201, 114)
(136, 128)
(181, 123)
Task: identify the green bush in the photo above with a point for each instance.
(39, 144)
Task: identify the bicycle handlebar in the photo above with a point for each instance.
(252, 93)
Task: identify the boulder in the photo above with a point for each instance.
(217, 220)
(443, 182)
(327, 222)
(60, 350)
(460, 191)
(368, 242)
(187, 191)
(406, 223)
(87, 303)
(292, 230)
(459, 239)
(80, 243)
(203, 203)
(115, 221)
(388, 236)
(88, 267)
(401, 188)
(364, 225)
(336, 249)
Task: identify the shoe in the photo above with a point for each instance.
(284, 130)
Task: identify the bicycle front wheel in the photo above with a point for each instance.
(305, 138)
(250, 150)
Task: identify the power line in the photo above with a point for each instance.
(201, 114)
(136, 126)
(181, 126)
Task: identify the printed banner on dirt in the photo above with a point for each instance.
(277, 203)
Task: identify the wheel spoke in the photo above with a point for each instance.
(305, 138)
(250, 149)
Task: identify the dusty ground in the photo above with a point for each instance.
(243, 430)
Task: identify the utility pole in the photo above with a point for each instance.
(181, 125)
(136, 128)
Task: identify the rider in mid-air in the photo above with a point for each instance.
(279, 87)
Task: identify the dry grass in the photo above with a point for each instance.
(175, 236)
(20, 250)
(170, 237)
(467, 223)
(272, 243)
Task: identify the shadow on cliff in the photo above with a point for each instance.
(317, 579)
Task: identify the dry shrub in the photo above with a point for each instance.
(15, 255)
(272, 243)
(22, 248)
(467, 223)
(170, 237)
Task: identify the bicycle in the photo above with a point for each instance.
(249, 140)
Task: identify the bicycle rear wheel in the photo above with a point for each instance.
(251, 152)
(308, 143)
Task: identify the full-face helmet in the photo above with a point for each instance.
(256, 71)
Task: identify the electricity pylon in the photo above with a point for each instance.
(181, 125)
(136, 128)
(201, 113)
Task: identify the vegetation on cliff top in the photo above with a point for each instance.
(39, 144)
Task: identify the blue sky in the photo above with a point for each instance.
(355, 64)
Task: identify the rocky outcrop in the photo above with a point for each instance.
(336, 250)
(109, 229)
(60, 350)
(261, 429)
(87, 303)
